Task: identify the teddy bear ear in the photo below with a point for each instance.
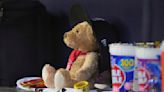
(77, 15)
(87, 26)
(90, 33)
(90, 30)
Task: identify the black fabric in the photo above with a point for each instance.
(105, 35)
(19, 46)
(29, 38)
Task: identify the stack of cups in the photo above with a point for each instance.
(122, 59)
(136, 68)
(147, 70)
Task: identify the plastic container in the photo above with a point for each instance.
(122, 59)
(82, 85)
(147, 75)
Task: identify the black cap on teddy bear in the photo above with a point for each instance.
(77, 14)
(102, 29)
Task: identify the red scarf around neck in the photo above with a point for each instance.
(73, 56)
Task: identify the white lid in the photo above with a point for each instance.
(147, 53)
(122, 49)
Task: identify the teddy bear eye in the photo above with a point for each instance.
(77, 31)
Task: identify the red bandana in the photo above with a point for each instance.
(73, 56)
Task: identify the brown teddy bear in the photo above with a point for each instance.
(83, 60)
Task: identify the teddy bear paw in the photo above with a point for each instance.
(59, 80)
(63, 79)
(48, 73)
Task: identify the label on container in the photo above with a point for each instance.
(149, 75)
(143, 78)
(118, 76)
(122, 71)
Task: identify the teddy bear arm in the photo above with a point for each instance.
(89, 67)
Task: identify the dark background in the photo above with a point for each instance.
(130, 16)
(31, 33)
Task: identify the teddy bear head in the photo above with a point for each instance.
(81, 37)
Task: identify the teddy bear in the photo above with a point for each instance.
(83, 60)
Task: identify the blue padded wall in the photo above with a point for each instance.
(136, 20)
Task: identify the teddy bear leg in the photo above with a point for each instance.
(63, 79)
(48, 73)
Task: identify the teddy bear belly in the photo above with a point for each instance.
(76, 66)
